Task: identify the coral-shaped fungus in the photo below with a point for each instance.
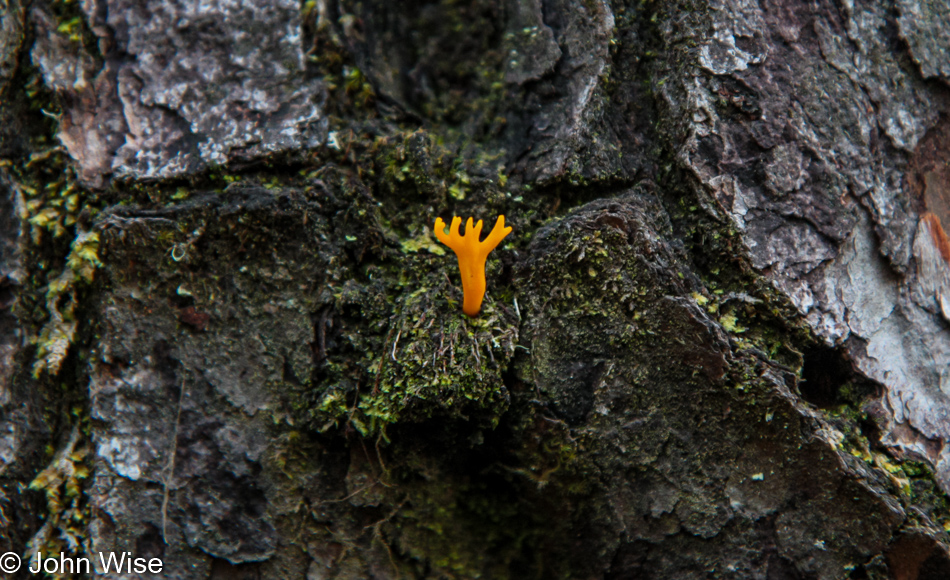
(471, 255)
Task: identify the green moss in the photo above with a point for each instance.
(63, 483)
(71, 24)
(65, 253)
(432, 361)
(60, 258)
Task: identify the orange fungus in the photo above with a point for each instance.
(471, 255)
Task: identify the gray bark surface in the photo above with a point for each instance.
(716, 345)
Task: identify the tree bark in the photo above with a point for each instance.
(716, 344)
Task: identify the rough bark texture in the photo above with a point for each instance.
(717, 344)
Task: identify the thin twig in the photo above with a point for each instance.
(396, 344)
(169, 476)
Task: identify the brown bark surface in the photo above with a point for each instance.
(716, 345)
